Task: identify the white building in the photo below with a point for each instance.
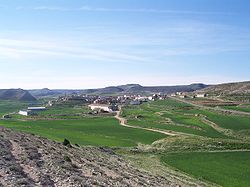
(179, 93)
(37, 108)
(201, 95)
(150, 98)
(104, 107)
(25, 112)
(51, 103)
(183, 96)
(141, 98)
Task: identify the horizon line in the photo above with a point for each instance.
(127, 84)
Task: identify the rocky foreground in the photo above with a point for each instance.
(28, 160)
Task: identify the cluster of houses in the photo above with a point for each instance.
(104, 108)
(110, 104)
(96, 103)
(77, 97)
(185, 95)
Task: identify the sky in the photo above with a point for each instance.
(81, 44)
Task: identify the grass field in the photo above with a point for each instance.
(11, 106)
(238, 108)
(65, 112)
(229, 169)
(177, 116)
(233, 122)
(169, 115)
(74, 123)
(101, 131)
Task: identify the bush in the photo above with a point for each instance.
(66, 143)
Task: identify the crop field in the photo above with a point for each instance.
(233, 122)
(65, 112)
(243, 108)
(74, 123)
(229, 169)
(79, 126)
(176, 116)
(101, 131)
(11, 106)
(168, 115)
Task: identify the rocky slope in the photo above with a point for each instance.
(228, 88)
(28, 160)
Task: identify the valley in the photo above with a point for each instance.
(191, 143)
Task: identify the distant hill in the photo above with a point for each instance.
(237, 88)
(43, 92)
(238, 91)
(138, 89)
(16, 94)
(121, 89)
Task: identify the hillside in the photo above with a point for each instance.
(43, 92)
(16, 94)
(28, 160)
(238, 91)
(138, 89)
(228, 88)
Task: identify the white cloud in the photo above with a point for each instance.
(23, 49)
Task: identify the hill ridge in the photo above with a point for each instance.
(16, 94)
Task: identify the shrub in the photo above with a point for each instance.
(66, 142)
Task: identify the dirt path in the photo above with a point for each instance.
(123, 122)
(212, 108)
(28, 169)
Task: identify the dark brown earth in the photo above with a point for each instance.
(29, 160)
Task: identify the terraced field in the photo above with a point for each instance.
(176, 116)
(244, 108)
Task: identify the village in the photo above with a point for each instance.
(104, 104)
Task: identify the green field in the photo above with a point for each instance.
(11, 106)
(233, 122)
(65, 112)
(229, 169)
(75, 123)
(238, 108)
(176, 116)
(100, 131)
(169, 115)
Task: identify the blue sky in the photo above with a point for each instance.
(96, 43)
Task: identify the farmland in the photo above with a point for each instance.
(244, 108)
(194, 153)
(209, 164)
(11, 106)
(224, 168)
(75, 124)
(176, 116)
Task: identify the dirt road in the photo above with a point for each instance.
(123, 122)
